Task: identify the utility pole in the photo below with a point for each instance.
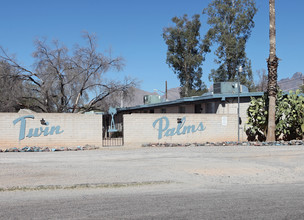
(238, 110)
(166, 91)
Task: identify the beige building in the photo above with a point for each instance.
(205, 104)
(216, 113)
(206, 118)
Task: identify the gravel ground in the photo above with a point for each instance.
(176, 167)
(232, 182)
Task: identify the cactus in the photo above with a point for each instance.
(289, 117)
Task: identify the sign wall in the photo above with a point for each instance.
(180, 128)
(52, 129)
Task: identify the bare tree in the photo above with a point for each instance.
(111, 95)
(120, 98)
(10, 88)
(261, 85)
(64, 82)
(272, 64)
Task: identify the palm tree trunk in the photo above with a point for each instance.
(272, 64)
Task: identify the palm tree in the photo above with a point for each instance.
(272, 64)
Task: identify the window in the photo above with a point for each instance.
(163, 110)
(210, 107)
(197, 108)
(182, 109)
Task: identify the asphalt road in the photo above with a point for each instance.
(255, 202)
(154, 183)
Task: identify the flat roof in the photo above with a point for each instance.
(192, 99)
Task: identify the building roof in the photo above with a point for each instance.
(189, 100)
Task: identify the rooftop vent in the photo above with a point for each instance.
(151, 99)
(228, 88)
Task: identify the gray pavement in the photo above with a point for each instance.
(161, 183)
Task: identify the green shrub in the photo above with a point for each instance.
(289, 117)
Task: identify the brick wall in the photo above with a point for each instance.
(59, 130)
(139, 129)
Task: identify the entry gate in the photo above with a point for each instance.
(110, 136)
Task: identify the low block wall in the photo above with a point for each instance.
(49, 130)
(180, 128)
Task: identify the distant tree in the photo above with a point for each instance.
(117, 99)
(231, 23)
(184, 55)
(64, 82)
(261, 85)
(272, 64)
(11, 88)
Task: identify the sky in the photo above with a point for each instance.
(133, 29)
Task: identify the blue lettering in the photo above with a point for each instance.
(45, 130)
(30, 133)
(201, 127)
(181, 129)
(36, 132)
(56, 130)
(170, 132)
(161, 129)
(22, 125)
(189, 129)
